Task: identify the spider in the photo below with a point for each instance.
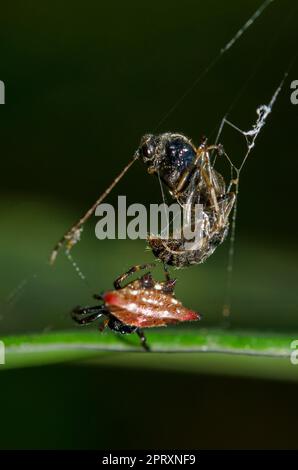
(142, 303)
(187, 172)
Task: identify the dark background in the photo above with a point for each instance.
(84, 81)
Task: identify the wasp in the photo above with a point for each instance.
(191, 179)
(142, 303)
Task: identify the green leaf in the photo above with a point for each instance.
(244, 353)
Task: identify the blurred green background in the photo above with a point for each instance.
(84, 81)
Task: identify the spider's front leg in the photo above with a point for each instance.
(139, 267)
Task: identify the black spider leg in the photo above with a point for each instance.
(86, 315)
(169, 284)
(143, 339)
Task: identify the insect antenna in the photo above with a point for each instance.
(72, 236)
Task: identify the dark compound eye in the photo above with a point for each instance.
(147, 151)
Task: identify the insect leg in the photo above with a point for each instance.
(187, 172)
(86, 315)
(143, 339)
(72, 236)
(228, 204)
(207, 175)
(134, 269)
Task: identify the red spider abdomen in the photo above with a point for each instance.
(147, 308)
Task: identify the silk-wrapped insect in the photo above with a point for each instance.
(187, 172)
